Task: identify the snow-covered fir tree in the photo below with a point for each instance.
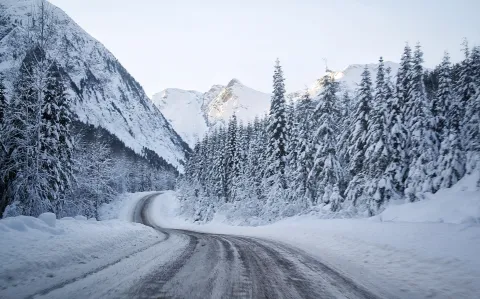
(303, 152)
(379, 185)
(277, 126)
(357, 141)
(345, 132)
(231, 158)
(468, 90)
(451, 159)
(326, 173)
(58, 142)
(423, 142)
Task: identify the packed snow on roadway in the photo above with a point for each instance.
(416, 250)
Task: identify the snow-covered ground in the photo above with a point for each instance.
(36, 253)
(427, 249)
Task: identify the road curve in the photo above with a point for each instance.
(227, 266)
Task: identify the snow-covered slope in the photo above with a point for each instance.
(238, 99)
(182, 109)
(193, 113)
(105, 93)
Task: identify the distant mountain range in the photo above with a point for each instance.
(194, 113)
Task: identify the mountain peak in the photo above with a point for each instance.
(233, 82)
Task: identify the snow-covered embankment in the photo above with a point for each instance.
(427, 249)
(40, 252)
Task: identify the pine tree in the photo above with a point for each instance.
(380, 189)
(397, 136)
(58, 143)
(257, 157)
(218, 168)
(403, 87)
(231, 161)
(344, 139)
(423, 141)
(357, 147)
(326, 172)
(469, 91)
(277, 134)
(451, 160)
(303, 162)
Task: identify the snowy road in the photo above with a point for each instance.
(225, 266)
(189, 264)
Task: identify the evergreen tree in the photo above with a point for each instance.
(355, 192)
(451, 161)
(380, 189)
(469, 92)
(326, 173)
(397, 136)
(423, 141)
(231, 158)
(277, 134)
(57, 139)
(403, 87)
(303, 162)
(344, 139)
(257, 157)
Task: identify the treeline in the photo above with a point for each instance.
(49, 161)
(394, 138)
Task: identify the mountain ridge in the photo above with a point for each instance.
(218, 104)
(104, 93)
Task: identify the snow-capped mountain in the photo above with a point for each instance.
(349, 78)
(105, 94)
(193, 113)
(184, 110)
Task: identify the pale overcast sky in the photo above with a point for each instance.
(193, 44)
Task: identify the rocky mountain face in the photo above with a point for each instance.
(104, 93)
(193, 113)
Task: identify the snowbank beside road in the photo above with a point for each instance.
(408, 256)
(36, 253)
(459, 204)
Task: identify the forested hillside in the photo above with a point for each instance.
(53, 157)
(394, 138)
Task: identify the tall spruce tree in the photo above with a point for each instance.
(275, 172)
(469, 92)
(380, 188)
(423, 140)
(231, 158)
(58, 142)
(326, 173)
(355, 192)
(344, 139)
(304, 152)
(451, 159)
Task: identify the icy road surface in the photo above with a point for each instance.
(188, 264)
(225, 266)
